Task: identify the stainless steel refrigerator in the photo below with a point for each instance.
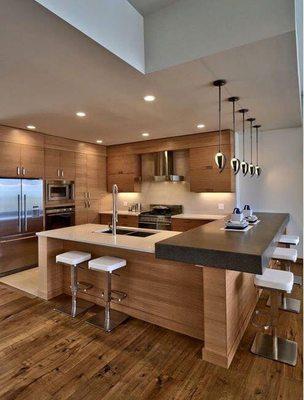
(21, 216)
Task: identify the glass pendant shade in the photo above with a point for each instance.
(244, 167)
(251, 170)
(235, 163)
(220, 159)
(258, 169)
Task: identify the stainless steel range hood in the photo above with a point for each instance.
(164, 167)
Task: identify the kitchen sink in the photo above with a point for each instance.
(128, 232)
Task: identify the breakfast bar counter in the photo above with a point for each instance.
(179, 287)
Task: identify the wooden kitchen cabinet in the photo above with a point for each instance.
(125, 172)
(90, 184)
(60, 164)
(19, 160)
(123, 220)
(185, 224)
(204, 175)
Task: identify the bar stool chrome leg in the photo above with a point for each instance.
(107, 318)
(272, 346)
(74, 306)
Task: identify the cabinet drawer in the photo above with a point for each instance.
(182, 224)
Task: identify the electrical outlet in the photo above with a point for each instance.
(125, 203)
(221, 206)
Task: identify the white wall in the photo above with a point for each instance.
(114, 24)
(280, 187)
(211, 26)
(299, 40)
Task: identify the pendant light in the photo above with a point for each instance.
(258, 169)
(251, 166)
(244, 164)
(234, 162)
(220, 158)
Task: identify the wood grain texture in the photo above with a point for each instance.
(185, 224)
(47, 355)
(9, 159)
(171, 143)
(32, 160)
(123, 220)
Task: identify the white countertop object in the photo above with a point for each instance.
(199, 216)
(122, 212)
(87, 234)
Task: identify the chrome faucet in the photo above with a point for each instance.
(115, 213)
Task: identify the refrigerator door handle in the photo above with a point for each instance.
(25, 213)
(19, 216)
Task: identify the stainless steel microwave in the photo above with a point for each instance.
(59, 191)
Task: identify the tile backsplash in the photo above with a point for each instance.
(172, 192)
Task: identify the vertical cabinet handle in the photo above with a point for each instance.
(58, 172)
(23, 171)
(62, 173)
(18, 170)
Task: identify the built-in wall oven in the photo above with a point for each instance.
(57, 191)
(59, 217)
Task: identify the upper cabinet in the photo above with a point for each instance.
(21, 160)
(60, 164)
(124, 170)
(205, 176)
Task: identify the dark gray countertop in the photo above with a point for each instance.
(210, 246)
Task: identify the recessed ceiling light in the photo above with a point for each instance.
(149, 97)
(200, 126)
(81, 114)
(31, 127)
(145, 134)
(99, 141)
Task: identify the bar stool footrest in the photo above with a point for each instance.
(298, 280)
(289, 304)
(275, 348)
(84, 286)
(66, 306)
(116, 318)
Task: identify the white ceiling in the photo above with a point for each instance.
(146, 7)
(49, 70)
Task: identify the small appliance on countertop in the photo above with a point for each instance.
(248, 214)
(237, 220)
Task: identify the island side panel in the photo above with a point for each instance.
(229, 301)
(166, 293)
(50, 282)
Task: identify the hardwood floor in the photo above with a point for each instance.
(47, 355)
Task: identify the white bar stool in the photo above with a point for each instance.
(287, 256)
(272, 346)
(292, 240)
(108, 319)
(74, 259)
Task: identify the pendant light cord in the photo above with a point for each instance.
(250, 142)
(243, 136)
(233, 105)
(257, 144)
(220, 116)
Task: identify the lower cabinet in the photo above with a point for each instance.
(123, 220)
(183, 224)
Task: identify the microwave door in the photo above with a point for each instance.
(32, 206)
(10, 207)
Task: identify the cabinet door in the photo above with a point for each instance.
(128, 220)
(96, 175)
(32, 161)
(126, 164)
(51, 164)
(125, 183)
(9, 159)
(93, 211)
(81, 213)
(106, 219)
(81, 176)
(67, 165)
(204, 175)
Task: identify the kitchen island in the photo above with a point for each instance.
(210, 303)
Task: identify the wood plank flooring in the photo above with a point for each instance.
(46, 355)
